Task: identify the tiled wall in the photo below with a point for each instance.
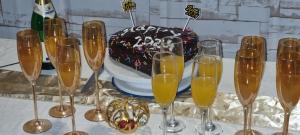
(227, 20)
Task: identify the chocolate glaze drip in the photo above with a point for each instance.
(135, 46)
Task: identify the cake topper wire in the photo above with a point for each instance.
(191, 12)
(129, 6)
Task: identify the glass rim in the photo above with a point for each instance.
(217, 42)
(255, 36)
(27, 32)
(54, 20)
(284, 41)
(89, 23)
(154, 58)
(68, 41)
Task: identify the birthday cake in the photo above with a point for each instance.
(135, 46)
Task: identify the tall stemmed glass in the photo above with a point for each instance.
(288, 77)
(30, 57)
(68, 66)
(257, 43)
(247, 78)
(54, 30)
(174, 45)
(213, 47)
(94, 41)
(204, 86)
(164, 81)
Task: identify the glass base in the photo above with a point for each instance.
(213, 128)
(37, 126)
(94, 115)
(280, 133)
(60, 111)
(253, 132)
(174, 126)
(76, 133)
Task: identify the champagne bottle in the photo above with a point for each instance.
(42, 9)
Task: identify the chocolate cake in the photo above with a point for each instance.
(135, 46)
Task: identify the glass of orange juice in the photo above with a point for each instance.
(164, 82)
(204, 86)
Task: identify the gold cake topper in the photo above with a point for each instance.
(128, 5)
(193, 12)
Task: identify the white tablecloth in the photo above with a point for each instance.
(15, 112)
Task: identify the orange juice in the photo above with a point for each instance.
(164, 88)
(170, 69)
(204, 91)
(208, 69)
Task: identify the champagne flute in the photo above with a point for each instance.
(94, 41)
(213, 47)
(204, 86)
(30, 57)
(54, 31)
(164, 81)
(247, 77)
(288, 77)
(68, 66)
(258, 43)
(174, 45)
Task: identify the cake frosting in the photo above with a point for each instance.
(135, 46)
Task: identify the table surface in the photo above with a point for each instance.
(9, 106)
(18, 111)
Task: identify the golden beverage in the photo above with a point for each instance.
(30, 61)
(204, 91)
(287, 82)
(68, 64)
(166, 64)
(94, 51)
(164, 88)
(29, 54)
(50, 45)
(94, 41)
(208, 68)
(247, 77)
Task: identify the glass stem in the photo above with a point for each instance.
(97, 91)
(172, 116)
(209, 126)
(34, 101)
(73, 114)
(286, 122)
(204, 114)
(60, 97)
(164, 112)
(247, 119)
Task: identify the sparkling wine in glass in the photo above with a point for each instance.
(247, 78)
(54, 31)
(94, 42)
(164, 82)
(288, 77)
(213, 47)
(174, 45)
(68, 66)
(257, 43)
(30, 57)
(204, 86)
